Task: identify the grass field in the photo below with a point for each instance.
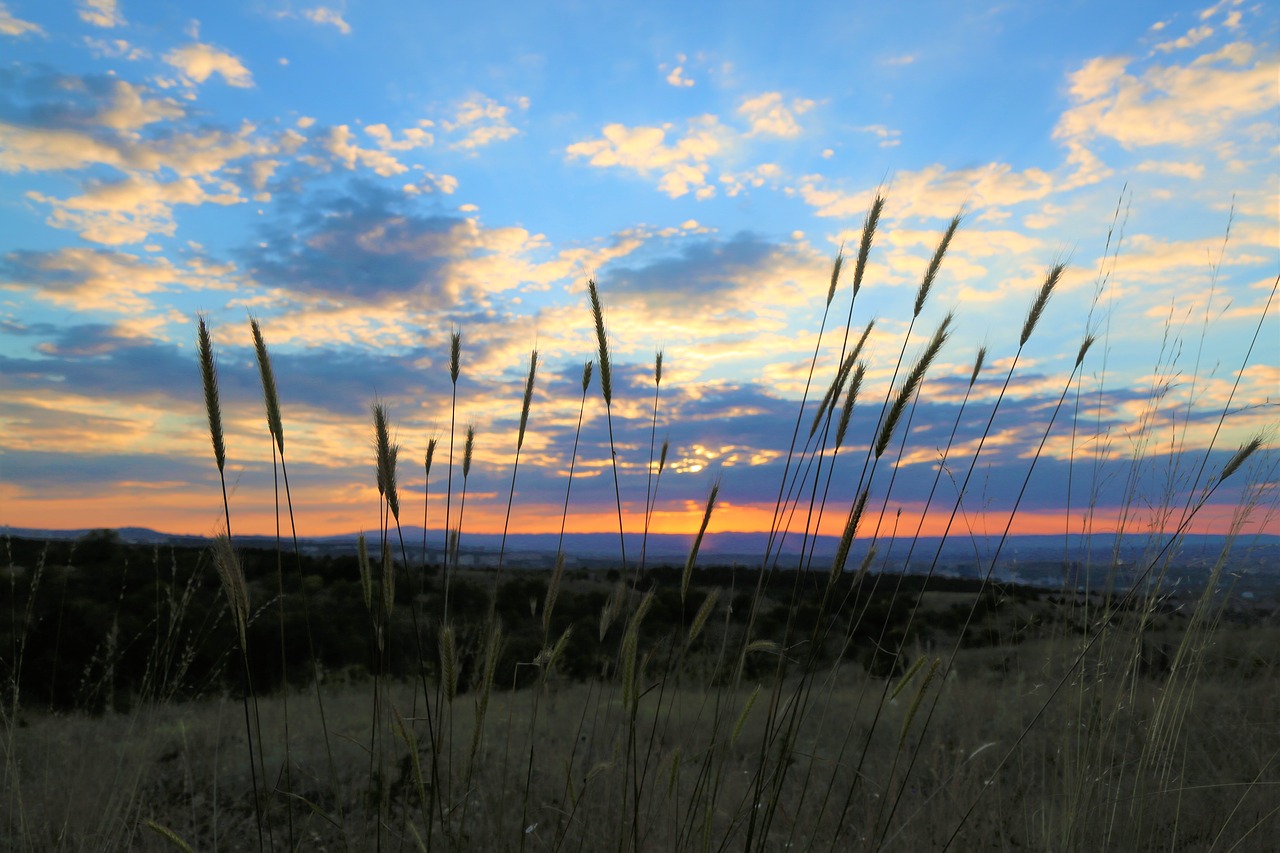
(227, 699)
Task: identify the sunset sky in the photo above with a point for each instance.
(367, 178)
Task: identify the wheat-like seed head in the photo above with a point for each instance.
(455, 355)
(1238, 458)
(1085, 345)
(448, 662)
(630, 647)
(912, 383)
(386, 453)
(742, 716)
(864, 247)
(915, 701)
(467, 450)
(602, 343)
(704, 613)
(835, 273)
(906, 678)
(209, 375)
(269, 395)
(977, 365)
(697, 541)
(846, 538)
(657, 369)
(855, 385)
(586, 374)
(528, 397)
(1041, 300)
(935, 264)
(431, 453)
(662, 457)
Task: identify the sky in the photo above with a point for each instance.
(368, 179)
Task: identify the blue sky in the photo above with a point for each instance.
(368, 178)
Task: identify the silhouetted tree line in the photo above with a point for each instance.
(99, 624)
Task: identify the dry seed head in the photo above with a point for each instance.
(586, 374)
(386, 455)
(697, 541)
(455, 355)
(662, 457)
(1085, 345)
(528, 397)
(657, 369)
(269, 396)
(448, 662)
(558, 651)
(630, 646)
(1246, 450)
(906, 678)
(704, 613)
(209, 374)
(846, 538)
(864, 247)
(932, 272)
(977, 365)
(855, 384)
(742, 717)
(915, 701)
(912, 384)
(1041, 300)
(431, 453)
(602, 341)
(835, 274)
(468, 449)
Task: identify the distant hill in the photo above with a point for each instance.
(748, 548)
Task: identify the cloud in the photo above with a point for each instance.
(108, 281)
(888, 136)
(481, 121)
(1191, 39)
(131, 210)
(11, 26)
(770, 115)
(1165, 105)
(100, 13)
(115, 49)
(683, 163)
(1191, 171)
(323, 15)
(337, 142)
(676, 78)
(198, 62)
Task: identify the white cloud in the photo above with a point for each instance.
(11, 26)
(430, 183)
(325, 16)
(1175, 105)
(337, 142)
(131, 210)
(115, 49)
(482, 121)
(676, 78)
(101, 13)
(681, 163)
(1191, 39)
(198, 62)
(413, 137)
(1191, 171)
(769, 115)
(888, 136)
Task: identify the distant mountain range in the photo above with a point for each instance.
(749, 548)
